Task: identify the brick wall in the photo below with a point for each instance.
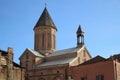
(7, 66)
(92, 70)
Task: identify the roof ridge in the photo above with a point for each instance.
(34, 52)
(64, 51)
(96, 59)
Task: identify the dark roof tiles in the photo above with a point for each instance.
(94, 60)
(45, 20)
(80, 31)
(115, 57)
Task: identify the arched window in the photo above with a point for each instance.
(43, 41)
(54, 41)
(49, 41)
(36, 40)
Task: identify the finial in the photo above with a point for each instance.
(45, 5)
(79, 25)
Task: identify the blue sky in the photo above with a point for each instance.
(100, 20)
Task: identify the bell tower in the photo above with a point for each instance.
(80, 37)
(45, 34)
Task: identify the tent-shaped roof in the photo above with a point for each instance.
(80, 31)
(45, 20)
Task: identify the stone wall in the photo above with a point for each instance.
(18, 74)
(53, 73)
(9, 70)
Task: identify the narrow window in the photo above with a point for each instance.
(43, 39)
(99, 77)
(36, 41)
(83, 78)
(49, 41)
(54, 41)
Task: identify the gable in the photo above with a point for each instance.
(83, 52)
(32, 52)
(25, 53)
(82, 55)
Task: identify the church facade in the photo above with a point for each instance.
(44, 62)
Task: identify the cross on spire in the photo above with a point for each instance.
(45, 4)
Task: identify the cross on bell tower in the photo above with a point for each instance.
(80, 37)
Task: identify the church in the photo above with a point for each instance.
(45, 62)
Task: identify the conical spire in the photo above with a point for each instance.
(80, 31)
(45, 20)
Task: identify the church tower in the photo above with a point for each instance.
(80, 37)
(45, 34)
